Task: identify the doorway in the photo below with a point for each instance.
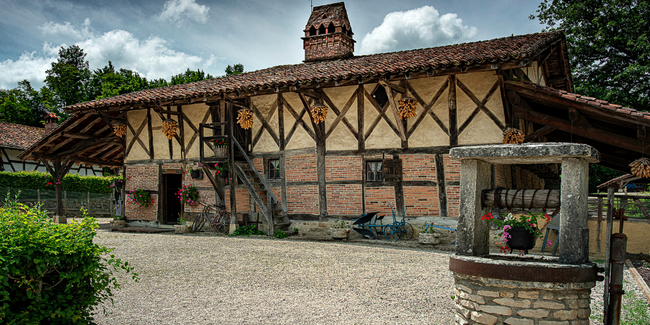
(171, 203)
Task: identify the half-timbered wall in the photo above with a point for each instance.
(12, 163)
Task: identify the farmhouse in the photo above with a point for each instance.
(339, 134)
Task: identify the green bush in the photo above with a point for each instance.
(71, 182)
(52, 273)
(247, 231)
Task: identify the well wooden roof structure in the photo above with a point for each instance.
(87, 137)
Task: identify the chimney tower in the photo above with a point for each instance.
(328, 34)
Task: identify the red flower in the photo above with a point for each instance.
(547, 216)
(487, 217)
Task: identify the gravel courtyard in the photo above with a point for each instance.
(203, 279)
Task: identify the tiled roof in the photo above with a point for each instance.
(324, 15)
(467, 54)
(17, 136)
(591, 101)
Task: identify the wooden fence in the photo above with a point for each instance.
(97, 204)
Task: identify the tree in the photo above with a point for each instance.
(189, 76)
(608, 45)
(108, 83)
(69, 77)
(24, 104)
(234, 69)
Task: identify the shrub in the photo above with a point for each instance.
(71, 182)
(247, 231)
(52, 273)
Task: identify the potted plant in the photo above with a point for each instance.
(188, 194)
(139, 197)
(516, 232)
(182, 227)
(117, 183)
(220, 147)
(221, 170)
(428, 236)
(196, 171)
(339, 230)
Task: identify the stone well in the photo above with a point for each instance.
(531, 290)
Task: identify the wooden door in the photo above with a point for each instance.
(171, 203)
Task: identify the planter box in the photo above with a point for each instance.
(118, 223)
(181, 229)
(340, 233)
(429, 239)
(197, 174)
(220, 152)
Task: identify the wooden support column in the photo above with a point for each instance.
(58, 169)
(360, 116)
(442, 186)
(320, 137)
(453, 112)
(231, 167)
(150, 131)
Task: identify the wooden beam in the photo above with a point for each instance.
(265, 124)
(150, 134)
(587, 132)
(453, 112)
(298, 121)
(539, 133)
(340, 115)
(382, 115)
(398, 120)
(361, 144)
(427, 108)
(278, 103)
(481, 104)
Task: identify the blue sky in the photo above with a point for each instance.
(162, 38)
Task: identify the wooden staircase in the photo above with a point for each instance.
(260, 191)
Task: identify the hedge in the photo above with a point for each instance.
(71, 182)
(52, 273)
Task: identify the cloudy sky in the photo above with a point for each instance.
(159, 38)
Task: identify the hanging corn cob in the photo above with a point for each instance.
(407, 107)
(245, 118)
(169, 128)
(119, 129)
(641, 167)
(318, 113)
(513, 136)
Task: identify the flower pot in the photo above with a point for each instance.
(521, 239)
(429, 238)
(340, 233)
(220, 152)
(181, 229)
(223, 174)
(197, 174)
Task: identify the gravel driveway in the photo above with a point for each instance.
(203, 279)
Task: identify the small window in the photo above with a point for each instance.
(380, 95)
(312, 31)
(321, 30)
(274, 168)
(374, 171)
(330, 29)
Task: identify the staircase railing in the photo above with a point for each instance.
(267, 187)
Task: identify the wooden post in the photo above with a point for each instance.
(65, 202)
(111, 207)
(231, 168)
(600, 220)
(453, 112)
(608, 233)
(442, 186)
(38, 195)
(88, 200)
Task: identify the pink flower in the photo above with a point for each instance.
(548, 244)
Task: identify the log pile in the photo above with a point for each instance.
(407, 107)
(513, 136)
(245, 119)
(169, 128)
(641, 167)
(318, 113)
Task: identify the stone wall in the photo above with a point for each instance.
(492, 301)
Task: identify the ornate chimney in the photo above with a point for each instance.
(51, 122)
(328, 34)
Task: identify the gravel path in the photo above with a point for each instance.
(199, 279)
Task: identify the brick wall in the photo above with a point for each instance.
(301, 168)
(328, 46)
(206, 191)
(421, 200)
(344, 200)
(378, 199)
(259, 165)
(146, 178)
(343, 168)
(243, 205)
(302, 199)
(418, 167)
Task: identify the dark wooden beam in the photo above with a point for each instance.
(453, 112)
(539, 133)
(393, 106)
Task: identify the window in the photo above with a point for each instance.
(274, 168)
(374, 171)
(379, 94)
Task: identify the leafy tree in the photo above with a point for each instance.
(189, 76)
(234, 69)
(69, 77)
(24, 104)
(608, 44)
(600, 174)
(157, 83)
(108, 83)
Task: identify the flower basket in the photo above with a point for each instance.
(220, 152)
(521, 239)
(197, 174)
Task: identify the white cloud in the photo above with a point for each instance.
(416, 28)
(152, 57)
(177, 10)
(68, 30)
(28, 66)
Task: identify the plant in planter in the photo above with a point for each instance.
(188, 194)
(182, 227)
(516, 232)
(196, 171)
(220, 147)
(140, 198)
(117, 183)
(221, 169)
(339, 229)
(428, 236)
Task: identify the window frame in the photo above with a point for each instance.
(379, 172)
(277, 173)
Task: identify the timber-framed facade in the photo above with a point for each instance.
(361, 158)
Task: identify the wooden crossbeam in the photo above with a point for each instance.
(136, 137)
(382, 115)
(427, 108)
(265, 124)
(299, 121)
(480, 107)
(480, 104)
(539, 133)
(340, 115)
(391, 101)
(196, 132)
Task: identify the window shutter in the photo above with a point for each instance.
(392, 170)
